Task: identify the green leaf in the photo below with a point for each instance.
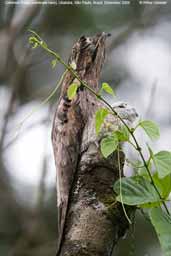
(99, 119)
(151, 129)
(107, 88)
(162, 224)
(162, 161)
(123, 134)
(135, 191)
(109, 145)
(54, 62)
(164, 185)
(36, 40)
(33, 41)
(72, 90)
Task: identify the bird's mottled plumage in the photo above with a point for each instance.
(88, 55)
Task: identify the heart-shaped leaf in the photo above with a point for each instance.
(162, 161)
(135, 191)
(107, 88)
(162, 224)
(100, 116)
(151, 129)
(109, 145)
(72, 90)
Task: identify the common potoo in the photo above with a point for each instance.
(88, 55)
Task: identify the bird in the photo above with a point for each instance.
(87, 57)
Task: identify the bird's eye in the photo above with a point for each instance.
(82, 38)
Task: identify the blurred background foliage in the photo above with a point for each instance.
(137, 66)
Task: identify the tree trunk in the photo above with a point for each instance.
(90, 222)
(95, 221)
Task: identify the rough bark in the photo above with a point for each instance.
(95, 222)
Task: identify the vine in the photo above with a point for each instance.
(147, 189)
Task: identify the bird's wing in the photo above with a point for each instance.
(66, 137)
